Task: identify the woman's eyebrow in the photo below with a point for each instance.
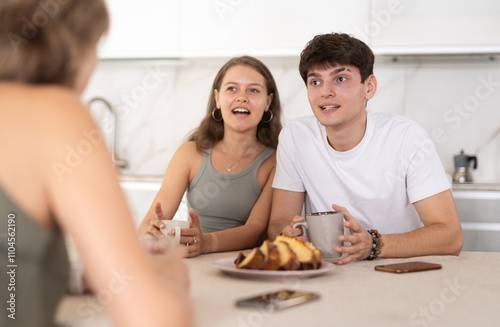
(236, 83)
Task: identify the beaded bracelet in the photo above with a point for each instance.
(376, 245)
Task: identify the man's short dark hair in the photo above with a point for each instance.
(333, 49)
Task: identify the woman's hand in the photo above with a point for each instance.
(294, 232)
(156, 223)
(195, 240)
(361, 241)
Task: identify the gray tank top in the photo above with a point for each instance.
(224, 201)
(37, 268)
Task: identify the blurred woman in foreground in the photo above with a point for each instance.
(56, 175)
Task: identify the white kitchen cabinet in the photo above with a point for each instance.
(261, 28)
(478, 213)
(429, 26)
(224, 28)
(141, 29)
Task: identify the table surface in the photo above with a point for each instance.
(465, 292)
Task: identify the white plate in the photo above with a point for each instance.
(227, 266)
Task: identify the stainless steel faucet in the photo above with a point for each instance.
(116, 160)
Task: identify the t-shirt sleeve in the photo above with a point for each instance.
(287, 176)
(426, 176)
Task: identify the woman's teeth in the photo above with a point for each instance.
(241, 111)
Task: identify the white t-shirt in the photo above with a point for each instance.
(394, 165)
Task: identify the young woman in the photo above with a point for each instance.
(56, 175)
(227, 166)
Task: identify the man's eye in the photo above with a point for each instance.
(314, 82)
(342, 79)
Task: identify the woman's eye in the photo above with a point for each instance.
(254, 91)
(231, 88)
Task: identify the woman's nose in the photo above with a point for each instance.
(242, 97)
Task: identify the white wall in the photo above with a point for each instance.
(153, 122)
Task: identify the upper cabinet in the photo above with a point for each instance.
(260, 27)
(429, 26)
(224, 28)
(207, 28)
(141, 29)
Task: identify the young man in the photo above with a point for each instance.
(382, 171)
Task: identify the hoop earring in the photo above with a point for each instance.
(213, 115)
(270, 118)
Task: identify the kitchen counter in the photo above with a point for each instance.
(465, 292)
(475, 187)
(141, 179)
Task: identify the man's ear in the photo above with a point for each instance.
(371, 87)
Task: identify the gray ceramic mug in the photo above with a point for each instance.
(323, 229)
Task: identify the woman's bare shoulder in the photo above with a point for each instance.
(47, 113)
(187, 159)
(266, 169)
(188, 151)
(270, 162)
(186, 154)
(46, 123)
(44, 104)
(189, 146)
(36, 92)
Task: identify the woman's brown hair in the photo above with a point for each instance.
(211, 131)
(46, 42)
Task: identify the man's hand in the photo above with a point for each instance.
(361, 241)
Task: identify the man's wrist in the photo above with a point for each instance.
(377, 244)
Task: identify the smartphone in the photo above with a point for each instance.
(405, 267)
(278, 300)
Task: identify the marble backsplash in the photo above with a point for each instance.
(158, 102)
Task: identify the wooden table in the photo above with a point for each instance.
(465, 292)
